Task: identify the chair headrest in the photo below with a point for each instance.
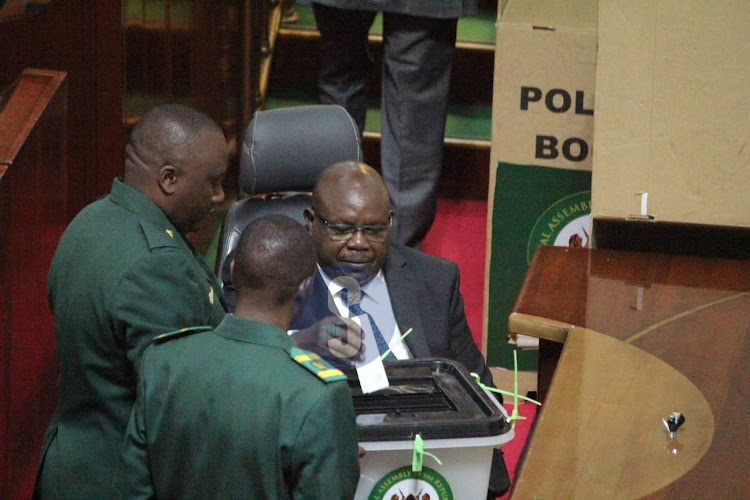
(286, 149)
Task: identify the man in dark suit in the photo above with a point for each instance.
(419, 38)
(238, 411)
(398, 287)
(349, 220)
(123, 273)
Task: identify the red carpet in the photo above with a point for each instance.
(512, 450)
(459, 234)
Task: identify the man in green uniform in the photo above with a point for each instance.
(239, 412)
(122, 274)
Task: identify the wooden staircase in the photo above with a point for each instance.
(232, 58)
(293, 78)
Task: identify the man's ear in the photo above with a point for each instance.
(168, 178)
(309, 217)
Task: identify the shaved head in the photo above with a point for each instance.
(177, 156)
(274, 255)
(167, 134)
(350, 176)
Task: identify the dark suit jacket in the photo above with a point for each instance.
(425, 295)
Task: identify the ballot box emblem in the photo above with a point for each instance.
(565, 223)
(459, 425)
(403, 484)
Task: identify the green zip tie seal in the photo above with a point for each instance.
(401, 339)
(514, 413)
(418, 456)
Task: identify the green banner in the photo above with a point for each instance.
(532, 206)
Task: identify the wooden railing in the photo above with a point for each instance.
(33, 196)
(264, 20)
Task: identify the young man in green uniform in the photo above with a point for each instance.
(239, 412)
(122, 274)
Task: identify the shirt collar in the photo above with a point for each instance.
(254, 332)
(134, 201)
(335, 288)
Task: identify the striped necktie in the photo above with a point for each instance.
(356, 309)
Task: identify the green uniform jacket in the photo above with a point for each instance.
(121, 275)
(229, 414)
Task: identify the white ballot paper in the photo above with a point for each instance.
(370, 371)
(372, 376)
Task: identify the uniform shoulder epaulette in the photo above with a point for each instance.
(160, 236)
(182, 332)
(317, 365)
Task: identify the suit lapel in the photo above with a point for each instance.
(403, 289)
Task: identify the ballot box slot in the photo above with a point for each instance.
(414, 396)
(435, 398)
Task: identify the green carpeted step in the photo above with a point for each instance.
(477, 30)
(464, 123)
(152, 12)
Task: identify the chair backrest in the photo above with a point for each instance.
(283, 154)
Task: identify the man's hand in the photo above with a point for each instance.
(334, 338)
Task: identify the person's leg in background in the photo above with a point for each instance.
(345, 64)
(417, 61)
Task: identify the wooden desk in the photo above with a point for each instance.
(644, 335)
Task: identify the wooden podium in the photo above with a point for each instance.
(643, 335)
(33, 199)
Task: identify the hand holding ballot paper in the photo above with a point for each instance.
(334, 338)
(348, 296)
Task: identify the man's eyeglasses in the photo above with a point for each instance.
(342, 232)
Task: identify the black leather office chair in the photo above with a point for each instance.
(283, 154)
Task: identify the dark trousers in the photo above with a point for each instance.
(417, 60)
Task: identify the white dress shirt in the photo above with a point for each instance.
(377, 302)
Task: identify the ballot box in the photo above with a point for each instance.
(437, 402)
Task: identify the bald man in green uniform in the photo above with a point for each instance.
(238, 411)
(122, 274)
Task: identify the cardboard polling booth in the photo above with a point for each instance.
(458, 424)
(673, 111)
(541, 157)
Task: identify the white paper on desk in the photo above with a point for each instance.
(525, 341)
(372, 376)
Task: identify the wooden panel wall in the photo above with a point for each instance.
(33, 189)
(84, 39)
